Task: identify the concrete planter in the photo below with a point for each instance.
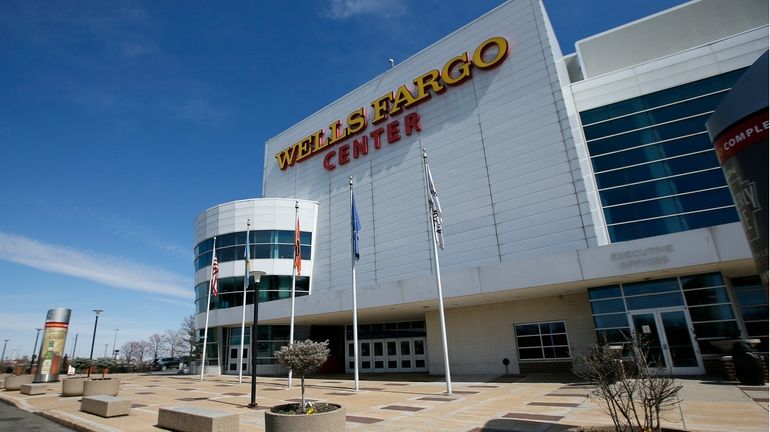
(14, 382)
(72, 386)
(332, 421)
(107, 386)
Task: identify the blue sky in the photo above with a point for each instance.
(121, 121)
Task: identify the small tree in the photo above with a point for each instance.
(156, 345)
(189, 334)
(80, 364)
(104, 363)
(302, 358)
(634, 395)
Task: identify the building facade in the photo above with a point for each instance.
(271, 232)
(581, 198)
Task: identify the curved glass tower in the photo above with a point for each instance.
(271, 243)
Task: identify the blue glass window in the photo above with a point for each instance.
(654, 170)
(608, 306)
(204, 246)
(265, 244)
(654, 301)
(225, 240)
(611, 320)
(712, 313)
(702, 281)
(617, 335)
(707, 301)
(651, 287)
(604, 292)
(669, 206)
(753, 301)
(653, 152)
(670, 186)
(654, 116)
(726, 329)
(653, 227)
(648, 135)
(656, 146)
(272, 287)
(662, 97)
(547, 340)
(706, 296)
(261, 236)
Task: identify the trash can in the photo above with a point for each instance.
(748, 364)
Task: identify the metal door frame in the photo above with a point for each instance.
(656, 313)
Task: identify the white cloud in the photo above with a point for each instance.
(344, 9)
(112, 271)
(185, 304)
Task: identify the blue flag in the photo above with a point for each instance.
(355, 225)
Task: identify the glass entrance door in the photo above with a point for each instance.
(669, 339)
(378, 348)
(389, 355)
(232, 360)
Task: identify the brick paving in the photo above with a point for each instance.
(409, 402)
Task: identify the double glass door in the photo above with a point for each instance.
(232, 360)
(389, 355)
(669, 339)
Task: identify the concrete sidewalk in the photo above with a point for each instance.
(409, 402)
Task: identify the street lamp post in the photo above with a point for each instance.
(2, 358)
(34, 350)
(75, 345)
(114, 340)
(105, 350)
(257, 276)
(93, 339)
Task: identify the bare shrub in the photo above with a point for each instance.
(634, 394)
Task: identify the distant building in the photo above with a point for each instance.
(582, 199)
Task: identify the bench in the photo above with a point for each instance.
(195, 419)
(105, 406)
(33, 389)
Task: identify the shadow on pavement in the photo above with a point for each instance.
(512, 425)
(564, 378)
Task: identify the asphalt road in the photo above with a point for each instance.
(13, 419)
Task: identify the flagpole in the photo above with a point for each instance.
(208, 306)
(432, 223)
(353, 266)
(293, 282)
(247, 257)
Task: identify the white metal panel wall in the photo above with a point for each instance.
(696, 63)
(668, 32)
(498, 146)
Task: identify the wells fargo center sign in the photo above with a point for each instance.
(488, 55)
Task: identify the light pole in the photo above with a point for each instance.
(75, 345)
(34, 350)
(2, 358)
(115, 339)
(105, 350)
(93, 339)
(257, 276)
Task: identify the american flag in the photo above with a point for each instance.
(214, 274)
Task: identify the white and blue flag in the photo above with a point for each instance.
(355, 225)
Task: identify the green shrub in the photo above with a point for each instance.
(81, 364)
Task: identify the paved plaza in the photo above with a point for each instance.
(408, 402)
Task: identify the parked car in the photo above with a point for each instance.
(164, 363)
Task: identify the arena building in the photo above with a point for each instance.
(581, 195)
